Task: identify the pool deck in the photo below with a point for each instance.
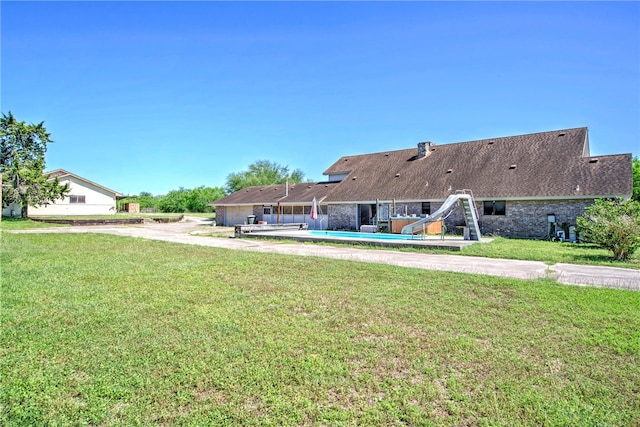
(454, 243)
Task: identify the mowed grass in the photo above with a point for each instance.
(549, 252)
(528, 250)
(500, 247)
(106, 330)
(8, 223)
(25, 224)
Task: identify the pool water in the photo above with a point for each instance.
(357, 235)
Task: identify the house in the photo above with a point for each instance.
(276, 204)
(85, 198)
(524, 186)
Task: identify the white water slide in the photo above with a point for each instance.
(470, 216)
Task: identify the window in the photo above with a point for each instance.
(426, 208)
(266, 210)
(76, 199)
(494, 208)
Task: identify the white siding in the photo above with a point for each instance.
(98, 201)
(338, 177)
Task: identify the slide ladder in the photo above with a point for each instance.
(470, 216)
(468, 208)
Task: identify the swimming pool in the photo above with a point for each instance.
(360, 235)
(354, 237)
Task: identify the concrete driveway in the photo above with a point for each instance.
(186, 232)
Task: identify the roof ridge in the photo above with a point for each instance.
(557, 131)
(437, 144)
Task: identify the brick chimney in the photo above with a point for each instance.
(424, 149)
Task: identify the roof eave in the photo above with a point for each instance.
(67, 173)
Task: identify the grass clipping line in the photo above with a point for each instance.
(102, 329)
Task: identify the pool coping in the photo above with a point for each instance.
(433, 242)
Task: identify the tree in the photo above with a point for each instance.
(262, 172)
(145, 199)
(174, 201)
(22, 150)
(636, 179)
(198, 199)
(613, 225)
(181, 200)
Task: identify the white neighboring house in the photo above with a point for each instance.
(85, 198)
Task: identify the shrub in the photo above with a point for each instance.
(613, 225)
(174, 201)
(145, 200)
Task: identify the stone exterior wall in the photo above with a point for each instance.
(455, 221)
(528, 219)
(404, 209)
(522, 219)
(342, 217)
(220, 215)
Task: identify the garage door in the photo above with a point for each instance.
(237, 215)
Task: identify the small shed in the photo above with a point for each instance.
(132, 207)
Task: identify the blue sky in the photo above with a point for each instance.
(153, 96)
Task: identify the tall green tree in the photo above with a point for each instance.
(174, 201)
(262, 172)
(22, 151)
(198, 199)
(636, 179)
(194, 200)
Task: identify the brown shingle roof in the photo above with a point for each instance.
(301, 193)
(539, 165)
(553, 164)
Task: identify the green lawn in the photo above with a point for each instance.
(105, 330)
(121, 215)
(530, 250)
(25, 224)
(549, 252)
